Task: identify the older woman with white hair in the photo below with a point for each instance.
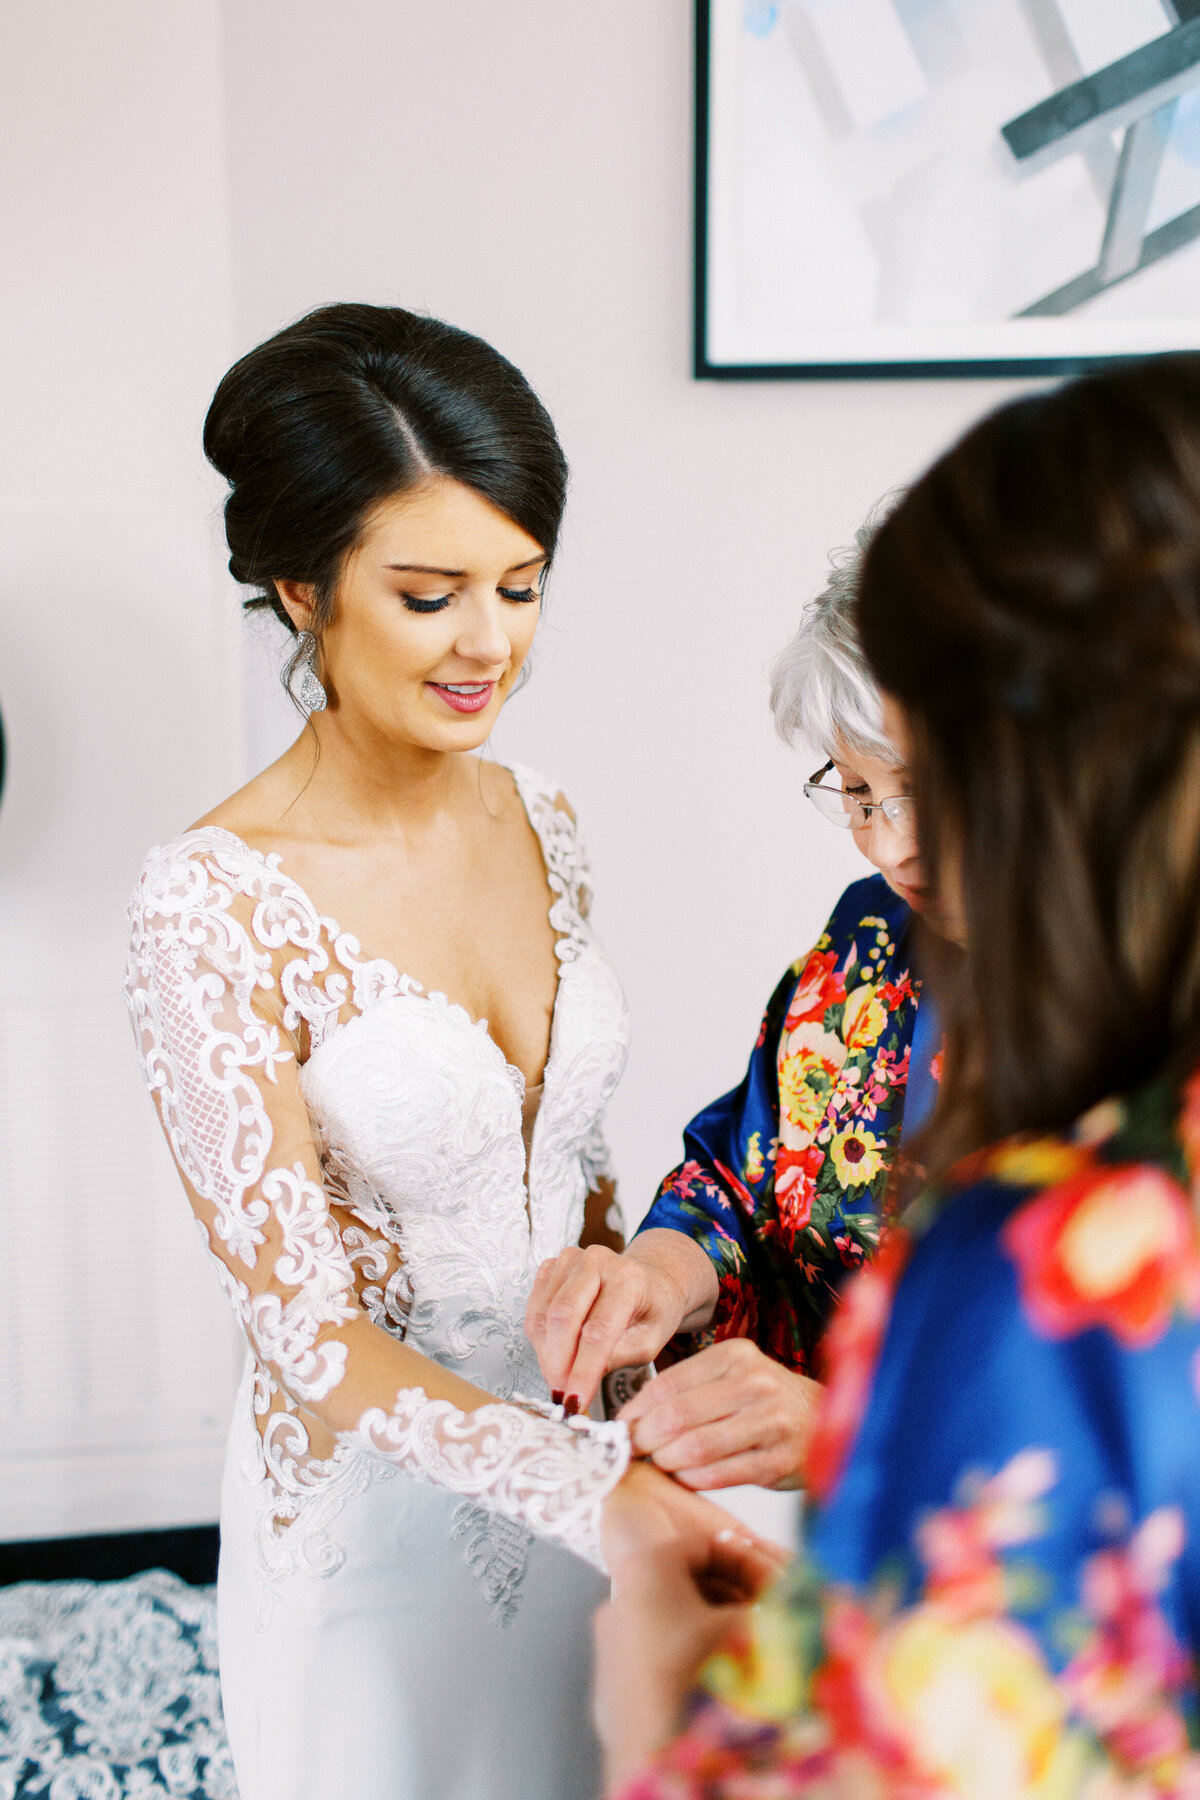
(731, 1279)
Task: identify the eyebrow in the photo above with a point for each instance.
(459, 574)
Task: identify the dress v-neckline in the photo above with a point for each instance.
(407, 986)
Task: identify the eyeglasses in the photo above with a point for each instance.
(841, 808)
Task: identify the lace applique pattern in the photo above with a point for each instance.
(497, 1554)
(551, 1475)
(414, 1122)
(566, 860)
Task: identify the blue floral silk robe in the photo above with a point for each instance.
(1002, 1595)
(783, 1180)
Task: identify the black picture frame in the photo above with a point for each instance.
(1029, 135)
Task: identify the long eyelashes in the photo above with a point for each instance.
(425, 606)
(417, 605)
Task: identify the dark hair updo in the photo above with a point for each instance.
(353, 404)
(1034, 603)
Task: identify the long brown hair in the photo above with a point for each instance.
(1034, 604)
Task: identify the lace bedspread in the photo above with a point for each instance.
(109, 1689)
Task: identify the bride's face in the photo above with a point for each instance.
(436, 611)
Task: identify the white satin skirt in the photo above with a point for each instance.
(393, 1677)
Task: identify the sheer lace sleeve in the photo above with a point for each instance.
(212, 992)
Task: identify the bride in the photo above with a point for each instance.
(381, 1037)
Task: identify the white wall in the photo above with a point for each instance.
(120, 684)
(188, 177)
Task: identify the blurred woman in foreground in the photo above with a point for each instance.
(1003, 1592)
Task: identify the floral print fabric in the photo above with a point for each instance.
(783, 1179)
(1002, 1596)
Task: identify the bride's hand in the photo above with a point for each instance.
(727, 1560)
(682, 1573)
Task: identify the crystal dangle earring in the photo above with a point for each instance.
(308, 693)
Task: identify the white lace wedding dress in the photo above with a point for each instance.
(405, 1590)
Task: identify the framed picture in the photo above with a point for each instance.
(945, 187)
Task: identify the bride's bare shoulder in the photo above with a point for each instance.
(253, 813)
(497, 787)
(503, 787)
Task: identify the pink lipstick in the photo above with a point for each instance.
(464, 696)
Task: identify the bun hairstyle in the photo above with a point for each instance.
(1034, 604)
(351, 405)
